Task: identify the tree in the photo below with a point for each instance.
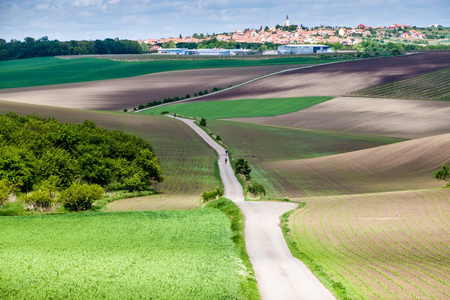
(17, 166)
(6, 189)
(202, 122)
(242, 167)
(170, 44)
(443, 174)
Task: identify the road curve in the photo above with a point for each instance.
(279, 275)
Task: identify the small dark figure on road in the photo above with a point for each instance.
(174, 114)
(226, 152)
(226, 159)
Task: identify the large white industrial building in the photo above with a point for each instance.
(304, 49)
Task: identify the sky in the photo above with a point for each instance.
(140, 19)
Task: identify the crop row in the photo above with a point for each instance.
(275, 162)
(432, 85)
(159, 255)
(378, 245)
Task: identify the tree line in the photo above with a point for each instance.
(38, 153)
(41, 47)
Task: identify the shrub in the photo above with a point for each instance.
(256, 188)
(39, 200)
(80, 197)
(213, 194)
(164, 112)
(202, 122)
(141, 106)
(218, 138)
(125, 110)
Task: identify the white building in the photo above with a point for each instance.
(304, 49)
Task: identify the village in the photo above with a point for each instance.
(293, 34)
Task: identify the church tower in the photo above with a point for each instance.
(287, 21)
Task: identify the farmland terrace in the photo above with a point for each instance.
(117, 94)
(337, 79)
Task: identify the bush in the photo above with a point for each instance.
(165, 112)
(125, 110)
(80, 197)
(39, 200)
(213, 194)
(256, 188)
(202, 122)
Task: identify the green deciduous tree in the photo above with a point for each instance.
(443, 174)
(17, 165)
(241, 167)
(202, 122)
(6, 189)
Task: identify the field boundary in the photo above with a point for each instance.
(242, 84)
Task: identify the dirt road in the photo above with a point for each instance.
(278, 273)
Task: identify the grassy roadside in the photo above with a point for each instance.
(237, 226)
(52, 70)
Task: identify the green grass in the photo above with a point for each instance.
(51, 70)
(138, 255)
(263, 145)
(430, 86)
(239, 108)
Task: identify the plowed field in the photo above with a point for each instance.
(386, 117)
(402, 166)
(117, 94)
(338, 79)
(379, 246)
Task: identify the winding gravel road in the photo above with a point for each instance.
(278, 273)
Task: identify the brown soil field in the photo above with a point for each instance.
(379, 246)
(386, 117)
(155, 202)
(118, 94)
(186, 160)
(337, 79)
(406, 165)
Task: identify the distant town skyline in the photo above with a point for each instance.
(99, 19)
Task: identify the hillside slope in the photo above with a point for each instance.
(402, 166)
(387, 117)
(117, 94)
(338, 79)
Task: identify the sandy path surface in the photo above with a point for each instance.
(278, 273)
(387, 117)
(117, 94)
